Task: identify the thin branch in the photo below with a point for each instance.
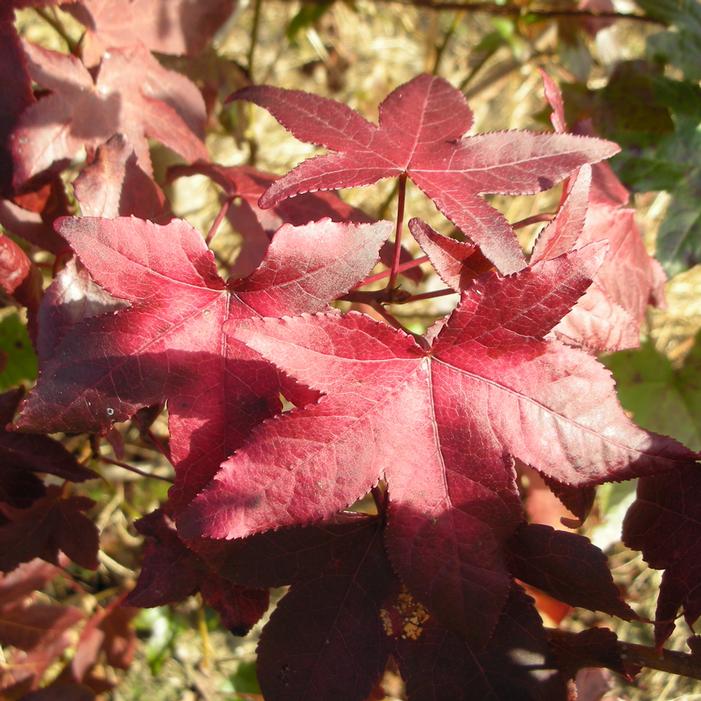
(218, 219)
(131, 468)
(440, 51)
(493, 8)
(403, 267)
(254, 38)
(670, 661)
(50, 17)
(535, 219)
(425, 295)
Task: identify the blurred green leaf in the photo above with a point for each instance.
(660, 397)
(306, 17)
(681, 47)
(244, 680)
(21, 361)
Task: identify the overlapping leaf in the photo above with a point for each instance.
(453, 499)
(132, 94)
(173, 27)
(419, 134)
(168, 343)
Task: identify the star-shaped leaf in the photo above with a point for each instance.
(421, 125)
(488, 389)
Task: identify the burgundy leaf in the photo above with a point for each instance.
(663, 523)
(19, 277)
(325, 640)
(517, 665)
(553, 561)
(132, 94)
(173, 27)
(419, 134)
(27, 627)
(50, 524)
(27, 453)
(24, 580)
(168, 344)
(453, 497)
(171, 572)
(114, 185)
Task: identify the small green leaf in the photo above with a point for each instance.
(16, 350)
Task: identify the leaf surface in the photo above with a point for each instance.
(168, 343)
(132, 94)
(419, 134)
(453, 499)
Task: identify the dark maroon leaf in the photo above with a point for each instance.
(60, 691)
(566, 566)
(50, 524)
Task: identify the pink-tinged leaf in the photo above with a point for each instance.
(453, 500)
(516, 665)
(27, 627)
(24, 580)
(132, 94)
(663, 523)
(19, 277)
(107, 635)
(246, 185)
(171, 572)
(17, 92)
(50, 524)
(564, 232)
(610, 315)
(456, 263)
(554, 98)
(168, 343)
(325, 639)
(114, 185)
(419, 132)
(175, 27)
(553, 561)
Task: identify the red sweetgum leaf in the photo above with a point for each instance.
(24, 580)
(114, 185)
(516, 665)
(174, 27)
(325, 640)
(107, 634)
(28, 627)
(449, 470)
(246, 185)
(27, 453)
(168, 344)
(50, 524)
(19, 277)
(132, 94)
(419, 134)
(609, 315)
(663, 523)
(171, 572)
(553, 561)
(17, 91)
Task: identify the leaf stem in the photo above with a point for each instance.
(400, 269)
(218, 220)
(398, 231)
(131, 468)
(426, 295)
(535, 219)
